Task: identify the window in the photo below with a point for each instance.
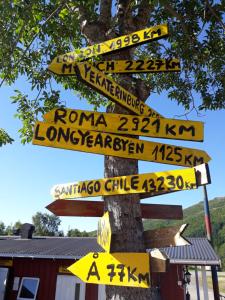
(28, 288)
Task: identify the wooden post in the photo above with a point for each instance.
(197, 283)
(204, 283)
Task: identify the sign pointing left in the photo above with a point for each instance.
(122, 269)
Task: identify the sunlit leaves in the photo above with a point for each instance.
(4, 138)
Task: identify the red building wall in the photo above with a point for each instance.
(48, 269)
(168, 283)
(45, 269)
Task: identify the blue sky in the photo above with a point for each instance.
(28, 172)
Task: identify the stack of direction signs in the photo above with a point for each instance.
(107, 134)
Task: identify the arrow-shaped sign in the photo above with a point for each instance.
(85, 208)
(122, 269)
(134, 184)
(120, 66)
(127, 124)
(165, 237)
(132, 39)
(52, 135)
(106, 86)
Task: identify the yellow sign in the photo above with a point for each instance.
(51, 135)
(127, 124)
(167, 181)
(108, 87)
(135, 38)
(122, 269)
(104, 232)
(121, 66)
(6, 263)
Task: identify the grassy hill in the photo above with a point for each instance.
(194, 216)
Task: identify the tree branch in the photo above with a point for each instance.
(141, 19)
(215, 14)
(34, 37)
(176, 15)
(105, 12)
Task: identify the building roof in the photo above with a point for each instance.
(48, 247)
(200, 252)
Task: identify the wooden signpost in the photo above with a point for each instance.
(165, 237)
(127, 124)
(104, 233)
(133, 184)
(96, 133)
(85, 208)
(64, 137)
(120, 66)
(106, 86)
(123, 269)
(132, 39)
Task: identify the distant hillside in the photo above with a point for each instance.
(194, 216)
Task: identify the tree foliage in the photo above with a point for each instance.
(77, 233)
(46, 224)
(32, 33)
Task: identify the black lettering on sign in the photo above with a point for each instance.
(135, 38)
(171, 64)
(143, 277)
(180, 182)
(198, 160)
(111, 274)
(36, 134)
(67, 67)
(171, 182)
(140, 63)
(121, 273)
(183, 128)
(60, 114)
(170, 129)
(123, 121)
(131, 275)
(86, 117)
(93, 271)
(161, 183)
(129, 64)
(134, 182)
(159, 63)
(150, 65)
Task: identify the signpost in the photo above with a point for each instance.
(85, 208)
(104, 233)
(121, 66)
(165, 237)
(127, 124)
(104, 134)
(132, 39)
(64, 137)
(132, 184)
(106, 86)
(122, 269)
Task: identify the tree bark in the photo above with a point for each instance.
(125, 210)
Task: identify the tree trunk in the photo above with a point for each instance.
(127, 226)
